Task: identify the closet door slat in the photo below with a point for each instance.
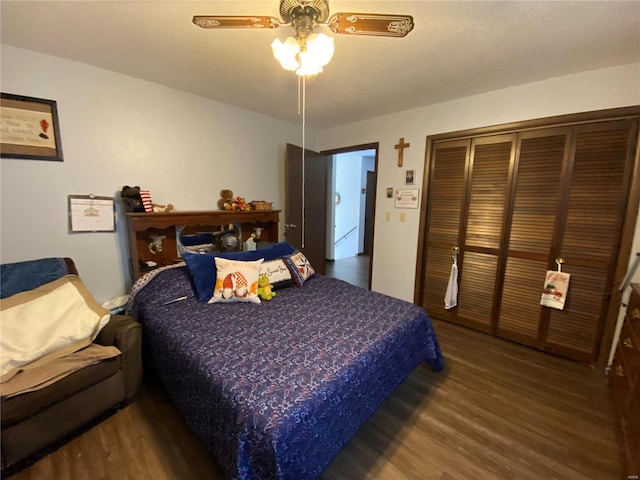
(536, 203)
(537, 193)
(448, 166)
(598, 191)
(520, 309)
(447, 194)
(488, 194)
(477, 287)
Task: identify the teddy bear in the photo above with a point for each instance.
(264, 288)
(131, 199)
(226, 199)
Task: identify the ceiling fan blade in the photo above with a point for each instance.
(385, 25)
(235, 21)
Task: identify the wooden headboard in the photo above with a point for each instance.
(142, 226)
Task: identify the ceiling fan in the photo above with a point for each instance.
(304, 16)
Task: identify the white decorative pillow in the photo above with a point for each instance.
(277, 272)
(236, 281)
(47, 322)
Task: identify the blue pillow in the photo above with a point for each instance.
(203, 269)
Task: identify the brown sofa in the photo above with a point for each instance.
(35, 420)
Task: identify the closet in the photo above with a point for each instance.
(515, 198)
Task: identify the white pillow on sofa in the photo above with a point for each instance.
(50, 321)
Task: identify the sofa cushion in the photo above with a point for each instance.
(68, 417)
(16, 409)
(39, 375)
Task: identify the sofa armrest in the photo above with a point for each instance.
(125, 333)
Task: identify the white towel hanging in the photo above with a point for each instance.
(451, 296)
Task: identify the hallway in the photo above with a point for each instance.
(354, 270)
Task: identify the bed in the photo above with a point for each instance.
(275, 390)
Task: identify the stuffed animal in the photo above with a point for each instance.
(240, 204)
(264, 288)
(163, 208)
(131, 199)
(226, 200)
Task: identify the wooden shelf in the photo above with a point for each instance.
(142, 226)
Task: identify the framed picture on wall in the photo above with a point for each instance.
(407, 197)
(90, 213)
(30, 128)
(409, 177)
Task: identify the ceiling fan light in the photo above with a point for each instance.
(286, 53)
(320, 47)
(308, 65)
(318, 53)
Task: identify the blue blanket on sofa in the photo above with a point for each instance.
(23, 276)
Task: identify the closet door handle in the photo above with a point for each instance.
(290, 225)
(627, 342)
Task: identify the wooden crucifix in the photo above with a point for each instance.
(400, 146)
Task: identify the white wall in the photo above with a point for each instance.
(118, 130)
(395, 245)
(348, 168)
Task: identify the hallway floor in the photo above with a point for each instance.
(354, 270)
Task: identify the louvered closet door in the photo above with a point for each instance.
(536, 208)
(445, 205)
(482, 229)
(514, 203)
(598, 189)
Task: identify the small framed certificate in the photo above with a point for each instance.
(406, 197)
(89, 213)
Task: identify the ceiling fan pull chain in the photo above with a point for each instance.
(299, 96)
(304, 110)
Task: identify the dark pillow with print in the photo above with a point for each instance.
(203, 270)
(300, 268)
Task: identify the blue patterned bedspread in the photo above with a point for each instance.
(275, 390)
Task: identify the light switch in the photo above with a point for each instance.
(387, 216)
(403, 217)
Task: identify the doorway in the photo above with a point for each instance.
(310, 213)
(350, 214)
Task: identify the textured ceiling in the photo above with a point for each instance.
(456, 49)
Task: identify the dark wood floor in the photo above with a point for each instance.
(498, 411)
(354, 270)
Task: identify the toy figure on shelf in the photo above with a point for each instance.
(240, 204)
